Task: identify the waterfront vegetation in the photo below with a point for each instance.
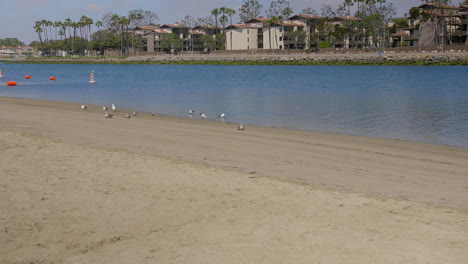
(366, 30)
(428, 60)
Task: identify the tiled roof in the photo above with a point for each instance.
(146, 27)
(444, 6)
(173, 26)
(305, 16)
(206, 27)
(345, 19)
(242, 26)
(259, 19)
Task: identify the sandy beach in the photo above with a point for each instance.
(78, 188)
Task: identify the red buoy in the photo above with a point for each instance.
(53, 78)
(28, 77)
(11, 83)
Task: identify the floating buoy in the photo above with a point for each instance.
(1, 73)
(53, 78)
(91, 77)
(11, 83)
(28, 77)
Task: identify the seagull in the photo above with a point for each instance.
(114, 108)
(84, 107)
(202, 115)
(134, 113)
(191, 112)
(222, 115)
(154, 113)
(108, 115)
(104, 108)
(241, 127)
(128, 116)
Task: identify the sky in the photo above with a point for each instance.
(18, 16)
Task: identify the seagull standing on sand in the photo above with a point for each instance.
(202, 115)
(84, 107)
(108, 115)
(191, 112)
(128, 116)
(104, 108)
(222, 115)
(114, 108)
(134, 113)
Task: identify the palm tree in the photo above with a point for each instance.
(272, 21)
(230, 12)
(99, 25)
(349, 3)
(215, 12)
(39, 30)
(123, 23)
(277, 20)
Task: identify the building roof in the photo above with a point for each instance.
(434, 5)
(146, 27)
(206, 27)
(162, 31)
(173, 26)
(257, 19)
(233, 26)
(305, 16)
(346, 18)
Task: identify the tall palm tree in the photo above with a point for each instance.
(215, 12)
(230, 12)
(274, 20)
(349, 4)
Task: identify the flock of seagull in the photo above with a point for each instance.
(191, 113)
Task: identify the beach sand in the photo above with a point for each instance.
(78, 188)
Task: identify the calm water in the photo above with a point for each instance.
(425, 104)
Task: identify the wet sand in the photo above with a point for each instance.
(78, 188)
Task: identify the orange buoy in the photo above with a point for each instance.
(11, 83)
(28, 77)
(53, 78)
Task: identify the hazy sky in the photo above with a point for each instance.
(18, 16)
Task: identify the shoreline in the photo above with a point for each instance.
(295, 144)
(78, 188)
(396, 59)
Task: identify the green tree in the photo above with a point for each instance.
(250, 9)
(208, 42)
(171, 43)
(299, 37)
(277, 8)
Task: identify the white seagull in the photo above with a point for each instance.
(154, 113)
(108, 115)
(202, 115)
(114, 108)
(128, 116)
(190, 113)
(104, 108)
(84, 107)
(134, 113)
(222, 115)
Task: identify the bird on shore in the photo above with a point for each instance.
(134, 113)
(202, 115)
(222, 115)
(114, 108)
(153, 114)
(108, 115)
(190, 113)
(241, 127)
(104, 108)
(128, 116)
(84, 107)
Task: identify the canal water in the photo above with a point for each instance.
(423, 104)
